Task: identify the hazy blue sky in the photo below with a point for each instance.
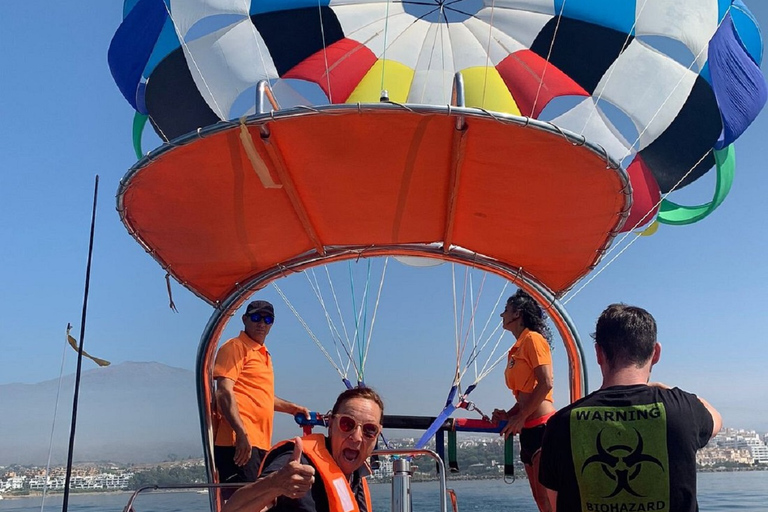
(64, 121)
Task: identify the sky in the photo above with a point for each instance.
(64, 122)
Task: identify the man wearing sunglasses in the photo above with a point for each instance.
(318, 473)
(245, 398)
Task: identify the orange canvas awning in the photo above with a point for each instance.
(524, 196)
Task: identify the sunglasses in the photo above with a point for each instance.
(348, 424)
(258, 317)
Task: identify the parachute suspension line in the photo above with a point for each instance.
(488, 53)
(191, 57)
(680, 81)
(335, 335)
(495, 308)
(375, 310)
(455, 323)
(358, 315)
(471, 327)
(325, 53)
(53, 424)
(473, 356)
(309, 331)
(474, 331)
(662, 198)
(246, 5)
(360, 335)
(450, 406)
(486, 368)
(429, 62)
(463, 339)
(613, 68)
(488, 371)
(549, 56)
(341, 319)
(386, 44)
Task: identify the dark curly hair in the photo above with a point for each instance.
(533, 316)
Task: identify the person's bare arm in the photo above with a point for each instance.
(717, 420)
(225, 399)
(290, 407)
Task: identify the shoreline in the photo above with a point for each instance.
(57, 493)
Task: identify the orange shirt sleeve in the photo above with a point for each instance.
(229, 361)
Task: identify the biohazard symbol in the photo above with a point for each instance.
(622, 469)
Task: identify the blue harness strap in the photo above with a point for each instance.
(444, 415)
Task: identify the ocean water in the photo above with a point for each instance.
(718, 492)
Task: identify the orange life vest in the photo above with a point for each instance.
(340, 495)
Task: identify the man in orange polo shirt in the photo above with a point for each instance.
(245, 395)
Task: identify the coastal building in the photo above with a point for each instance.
(759, 453)
(13, 483)
(385, 468)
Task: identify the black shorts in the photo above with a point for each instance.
(229, 472)
(530, 443)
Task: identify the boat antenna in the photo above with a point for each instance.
(68, 477)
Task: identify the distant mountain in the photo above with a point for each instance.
(130, 412)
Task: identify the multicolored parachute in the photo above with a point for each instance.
(664, 86)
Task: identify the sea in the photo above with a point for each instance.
(740, 491)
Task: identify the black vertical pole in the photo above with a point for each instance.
(80, 353)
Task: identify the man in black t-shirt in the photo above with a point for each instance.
(631, 445)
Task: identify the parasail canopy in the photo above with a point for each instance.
(661, 88)
(351, 182)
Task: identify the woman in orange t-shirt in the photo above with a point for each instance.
(529, 375)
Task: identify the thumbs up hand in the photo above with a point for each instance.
(296, 478)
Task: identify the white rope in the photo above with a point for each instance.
(455, 321)
(246, 4)
(325, 52)
(613, 68)
(492, 367)
(183, 43)
(474, 356)
(461, 338)
(488, 52)
(384, 51)
(662, 198)
(341, 317)
(375, 310)
(486, 369)
(549, 55)
(471, 328)
(309, 331)
(680, 81)
(53, 424)
(359, 315)
(335, 335)
(613, 248)
(474, 331)
(429, 62)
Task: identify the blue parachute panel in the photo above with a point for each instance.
(285, 5)
(167, 43)
(738, 83)
(619, 16)
(132, 45)
(748, 31)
